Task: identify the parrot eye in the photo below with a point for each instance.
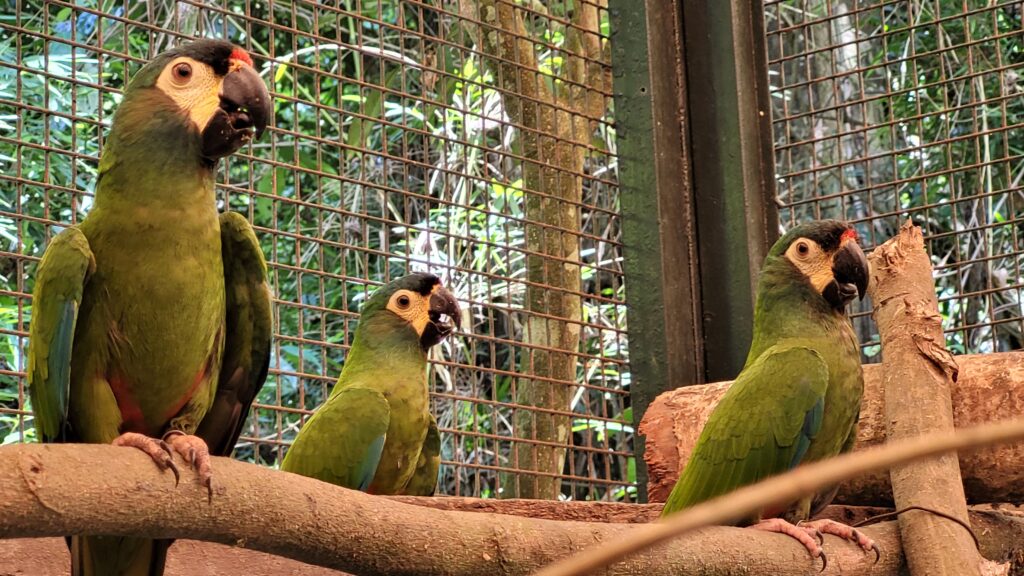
(403, 301)
(802, 248)
(182, 72)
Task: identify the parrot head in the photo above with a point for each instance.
(826, 254)
(210, 86)
(420, 301)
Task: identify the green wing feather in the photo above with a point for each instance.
(343, 441)
(248, 332)
(763, 426)
(60, 281)
(424, 479)
(822, 499)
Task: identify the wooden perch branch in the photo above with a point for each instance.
(988, 384)
(49, 557)
(1001, 533)
(919, 373)
(52, 490)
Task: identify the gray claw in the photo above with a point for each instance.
(169, 463)
(177, 474)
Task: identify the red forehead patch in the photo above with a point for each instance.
(241, 55)
(850, 234)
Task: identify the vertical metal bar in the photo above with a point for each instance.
(732, 171)
(657, 205)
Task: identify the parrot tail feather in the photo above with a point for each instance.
(117, 556)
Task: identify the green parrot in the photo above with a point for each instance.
(798, 396)
(375, 432)
(151, 321)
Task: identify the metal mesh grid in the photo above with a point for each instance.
(885, 110)
(410, 135)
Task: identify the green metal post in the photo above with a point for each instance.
(657, 204)
(696, 177)
(733, 172)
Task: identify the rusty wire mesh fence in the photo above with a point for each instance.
(471, 139)
(885, 110)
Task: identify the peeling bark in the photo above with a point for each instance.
(918, 375)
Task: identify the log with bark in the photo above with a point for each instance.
(49, 557)
(988, 385)
(1002, 535)
(52, 490)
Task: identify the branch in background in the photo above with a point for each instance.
(785, 488)
(52, 490)
(674, 420)
(573, 510)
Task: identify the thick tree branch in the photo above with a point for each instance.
(1001, 533)
(49, 557)
(919, 373)
(52, 490)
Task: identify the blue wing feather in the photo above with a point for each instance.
(60, 283)
(368, 467)
(812, 424)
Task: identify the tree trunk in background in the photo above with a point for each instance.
(556, 139)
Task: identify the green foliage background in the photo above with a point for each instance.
(392, 152)
(889, 110)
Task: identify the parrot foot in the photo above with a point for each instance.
(158, 450)
(847, 533)
(803, 533)
(194, 450)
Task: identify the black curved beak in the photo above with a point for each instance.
(850, 273)
(245, 109)
(445, 316)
